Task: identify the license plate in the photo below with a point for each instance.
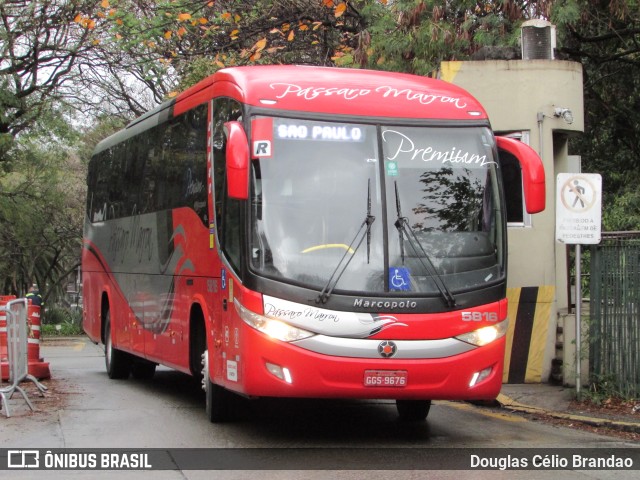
(385, 378)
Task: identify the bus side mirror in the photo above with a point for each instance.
(237, 152)
(532, 172)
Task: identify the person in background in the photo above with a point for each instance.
(34, 296)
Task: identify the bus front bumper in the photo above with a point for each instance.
(257, 365)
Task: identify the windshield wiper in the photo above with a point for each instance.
(369, 220)
(343, 264)
(402, 224)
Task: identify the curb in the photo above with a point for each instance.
(507, 402)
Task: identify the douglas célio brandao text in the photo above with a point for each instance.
(550, 461)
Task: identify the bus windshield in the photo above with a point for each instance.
(388, 209)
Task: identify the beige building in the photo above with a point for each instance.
(541, 103)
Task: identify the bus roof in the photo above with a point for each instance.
(325, 90)
(340, 91)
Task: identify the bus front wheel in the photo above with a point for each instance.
(413, 410)
(217, 398)
(117, 362)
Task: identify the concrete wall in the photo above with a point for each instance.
(523, 95)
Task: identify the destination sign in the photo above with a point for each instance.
(324, 132)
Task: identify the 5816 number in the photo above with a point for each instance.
(479, 316)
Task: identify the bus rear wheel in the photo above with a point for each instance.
(413, 410)
(217, 398)
(117, 362)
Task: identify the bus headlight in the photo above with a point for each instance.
(485, 335)
(274, 328)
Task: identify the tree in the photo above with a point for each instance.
(605, 38)
(41, 208)
(415, 36)
(41, 47)
(122, 57)
(191, 39)
(114, 59)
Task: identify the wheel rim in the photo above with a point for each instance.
(205, 371)
(108, 347)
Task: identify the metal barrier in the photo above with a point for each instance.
(614, 329)
(4, 361)
(17, 349)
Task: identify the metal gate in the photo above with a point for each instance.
(15, 315)
(614, 329)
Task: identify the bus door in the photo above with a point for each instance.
(229, 219)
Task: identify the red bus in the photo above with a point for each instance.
(293, 231)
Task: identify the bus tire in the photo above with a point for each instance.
(217, 398)
(118, 363)
(413, 410)
(197, 344)
(217, 403)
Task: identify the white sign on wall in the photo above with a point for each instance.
(578, 208)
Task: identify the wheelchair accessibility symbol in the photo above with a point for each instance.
(399, 279)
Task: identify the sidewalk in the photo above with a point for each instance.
(557, 402)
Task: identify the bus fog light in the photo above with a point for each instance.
(480, 376)
(279, 372)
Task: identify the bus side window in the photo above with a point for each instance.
(512, 184)
(195, 174)
(132, 178)
(115, 186)
(229, 212)
(151, 164)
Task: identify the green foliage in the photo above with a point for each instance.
(415, 36)
(621, 211)
(40, 48)
(565, 13)
(6, 144)
(62, 330)
(169, 45)
(603, 388)
(194, 39)
(605, 38)
(60, 315)
(39, 202)
(197, 70)
(101, 128)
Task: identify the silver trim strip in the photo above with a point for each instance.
(360, 348)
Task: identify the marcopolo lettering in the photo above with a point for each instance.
(384, 304)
